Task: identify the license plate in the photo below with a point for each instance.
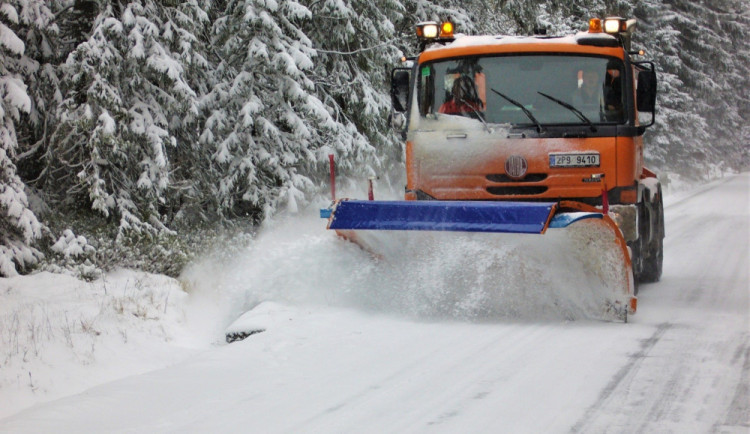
(589, 159)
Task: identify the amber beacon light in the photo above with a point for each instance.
(595, 25)
(446, 30)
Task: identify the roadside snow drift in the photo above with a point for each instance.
(60, 335)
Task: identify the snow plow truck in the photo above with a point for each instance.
(521, 134)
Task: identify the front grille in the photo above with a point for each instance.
(531, 177)
(516, 191)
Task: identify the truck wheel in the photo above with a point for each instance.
(652, 265)
(638, 249)
(654, 256)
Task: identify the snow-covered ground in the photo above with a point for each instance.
(354, 345)
(60, 335)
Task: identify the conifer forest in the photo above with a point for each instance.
(131, 132)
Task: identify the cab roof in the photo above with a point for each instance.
(580, 43)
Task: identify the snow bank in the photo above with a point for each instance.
(60, 335)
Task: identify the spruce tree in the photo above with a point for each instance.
(44, 52)
(354, 43)
(266, 128)
(126, 91)
(699, 56)
(19, 227)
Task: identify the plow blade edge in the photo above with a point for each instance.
(459, 216)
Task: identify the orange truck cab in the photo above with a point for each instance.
(534, 118)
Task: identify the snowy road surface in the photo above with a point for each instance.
(681, 365)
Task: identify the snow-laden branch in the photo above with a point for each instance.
(360, 50)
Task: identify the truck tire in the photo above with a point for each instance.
(653, 256)
(652, 264)
(636, 259)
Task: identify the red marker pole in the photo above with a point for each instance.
(332, 166)
(370, 193)
(605, 197)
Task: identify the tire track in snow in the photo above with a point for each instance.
(739, 409)
(619, 379)
(705, 189)
(407, 380)
(697, 377)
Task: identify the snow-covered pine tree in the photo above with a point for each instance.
(19, 227)
(355, 42)
(739, 27)
(126, 92)
(75, 18)
(524, 17)
(682, 136)
(716, 71)
(571, 17)
(507, 17)
(266, 128)
(185, 33)
(43, 55)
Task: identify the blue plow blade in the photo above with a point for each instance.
(459, 216)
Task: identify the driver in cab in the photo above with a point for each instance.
(590, 92)
(598, 94)
(463, 98)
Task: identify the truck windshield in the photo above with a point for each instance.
(525, 89)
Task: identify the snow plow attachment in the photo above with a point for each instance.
(359, 221)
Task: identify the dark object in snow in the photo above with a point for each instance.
(238, 336)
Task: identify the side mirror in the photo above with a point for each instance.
(400, 78)
(646, 92)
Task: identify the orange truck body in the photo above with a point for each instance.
(519, 151)
(621, 156)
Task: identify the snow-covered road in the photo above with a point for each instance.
(681, 365)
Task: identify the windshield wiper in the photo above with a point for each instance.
(526, 111)
(476, 112)
(570, 107)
